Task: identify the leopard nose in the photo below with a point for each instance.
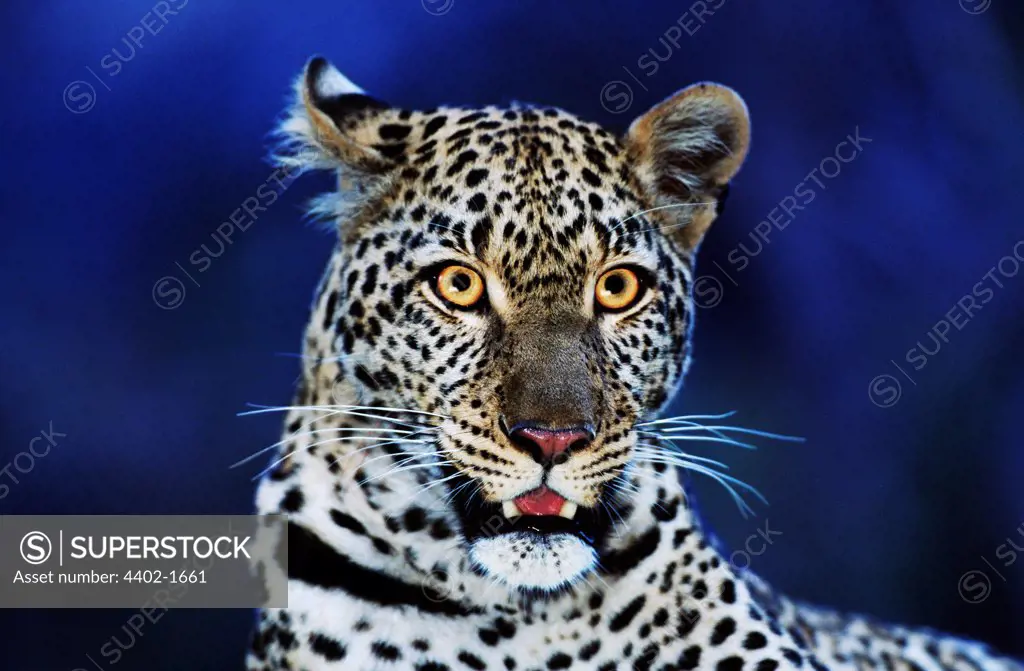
(548, 446)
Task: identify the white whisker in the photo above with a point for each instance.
(662, 454)
(394, 471)
(706, 439)
(293, 436)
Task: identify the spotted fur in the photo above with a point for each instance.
(384, 570)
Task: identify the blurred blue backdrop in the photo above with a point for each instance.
(132, 130)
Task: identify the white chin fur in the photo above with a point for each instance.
(550, 562)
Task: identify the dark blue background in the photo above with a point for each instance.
(882, 510)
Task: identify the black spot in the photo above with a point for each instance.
(505, 628)
(477, 202)
(646, 658)
(767, 665)
(476, 176)
(431, 666)
(622, 561)
(589, 650)
(690, 658)
(626, 615)
(326, 647)
(292, 501)
(596, 202)
(392, 151)
(386, 651)
(347, 522)
(393, 131)
(415, 519)
(472, 661)
(733, 663)
(481, 234)
(723, 630)
(439, 530)
(793, 656)
(728, 591)
(433, 126)
(461, 161)
(370, 281)
(489, 637)
(559, 660)
(382, 546)
(590, 178)
(470, 118)
(755, 641)
(680, 537)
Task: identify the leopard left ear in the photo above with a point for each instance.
(333, 124)
(686, 149)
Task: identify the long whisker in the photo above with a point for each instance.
(412, 456)
(278, 408)
(666, 420)
(727, 481)
(738, 429)
(396, 470)
(292, 436)
(666, 455)
(707, 439)
(308, 447)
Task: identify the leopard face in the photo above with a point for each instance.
(520, 279)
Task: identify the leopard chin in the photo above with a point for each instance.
(528, 561)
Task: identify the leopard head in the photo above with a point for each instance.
(521, 279)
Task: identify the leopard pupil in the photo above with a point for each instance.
(615, 284)
(461, 282)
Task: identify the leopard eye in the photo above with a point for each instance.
(617, 289)
(460, 286)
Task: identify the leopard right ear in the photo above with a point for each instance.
(333, 124)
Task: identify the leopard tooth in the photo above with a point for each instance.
(568, 510)
(510, 510)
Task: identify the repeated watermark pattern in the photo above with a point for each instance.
(169, 291)
(975, 6)
(25, 462)
(885, 390)
(80, 95)
(976, 585)
(617, 95)
(708, 290)
(438, 7)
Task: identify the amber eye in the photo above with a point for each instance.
(460, 285)
(617, 289)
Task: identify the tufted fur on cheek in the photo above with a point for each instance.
(686, 149)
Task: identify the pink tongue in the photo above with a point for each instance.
(540, 501)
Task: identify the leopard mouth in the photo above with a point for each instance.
(544, 511)
(537, 542)
(541, 512)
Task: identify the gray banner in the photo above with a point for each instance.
(150, 562)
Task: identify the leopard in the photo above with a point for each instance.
(475, 472)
